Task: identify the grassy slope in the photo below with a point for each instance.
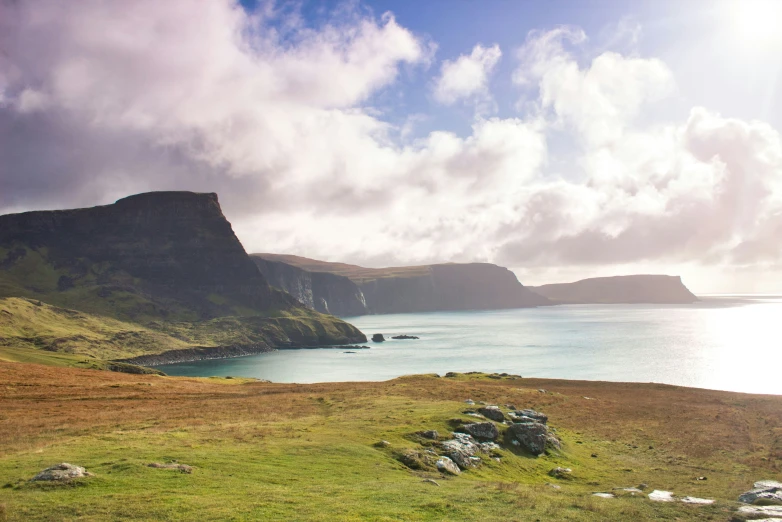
(305, 452)
(356, 273)
(33, 331)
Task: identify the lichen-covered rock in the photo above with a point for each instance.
(483, 431)
(461, 449)
(429, 434)
(532, 414)
(758, 512)
(182, 468)
(446, 465)
(532, 436)
(62, 472)
(764, 492)
(417, 460)
(560, 472)
(492, 413)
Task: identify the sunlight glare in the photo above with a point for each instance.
(757, 22)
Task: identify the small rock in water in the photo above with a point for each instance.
(696, 500)
(604, 495)
(446, 465)
(404, 337)
(378, 338)
(348, 352)
(661, 496)
(62, 472)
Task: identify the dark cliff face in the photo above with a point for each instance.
(659, 289)
(324, 292)
(472, 286)
(173, 249)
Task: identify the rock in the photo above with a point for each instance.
(532, 414)
(62, 472)
(559, 472)
(541, 390)
(492, 412)
(755, 512)
(348, 352)
(532, 436)
(382, 444)
(184, 468)
(488, 447)
(604, 495)
(484, 431)
(404, 337)
(696, 500)
(468, 401)
(661, 496)
(417, 460)
(431, 481)
(446, 465)
(378, 338)
(429, 434)
(460, 449)
(510, 406)
(553, 486)
(764, 492)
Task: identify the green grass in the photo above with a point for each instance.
(306, 452)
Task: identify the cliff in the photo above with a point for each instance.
(630, 289)
(321, 291)
(452, 286)
(155, 259)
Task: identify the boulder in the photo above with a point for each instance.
(378, 338)
(603, 495)
(760, 512)
(532, 414)
(461, 449)
(417, 460)
(429, 434)
(62, 472)
(484, 431)
(661, 496)
(559, 472)
(492, 413)
(182, 468)
(531, 437)
(763, 493)
(446, 465)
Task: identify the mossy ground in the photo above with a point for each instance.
(264, 451)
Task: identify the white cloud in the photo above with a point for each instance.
(276, 117)
(467, 77)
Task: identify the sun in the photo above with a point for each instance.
(757, 22)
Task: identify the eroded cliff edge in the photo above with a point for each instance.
(439, 287)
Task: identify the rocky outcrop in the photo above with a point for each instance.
(630, 289)
(764, 492)
(483, 431)
(321, 291)
(439, 287)
(532, 437)
(62, 473)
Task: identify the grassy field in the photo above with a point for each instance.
(264, 451)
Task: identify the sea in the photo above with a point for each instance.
(722, 342)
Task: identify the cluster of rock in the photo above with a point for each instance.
(404, 337)
(765, 502)
(473, 441)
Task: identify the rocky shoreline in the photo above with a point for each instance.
(198, 354)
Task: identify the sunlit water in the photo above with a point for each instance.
(722, 342)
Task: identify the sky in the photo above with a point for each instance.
(563, 140)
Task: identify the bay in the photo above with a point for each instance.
(722, 342)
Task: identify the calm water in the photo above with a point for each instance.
(722, 342)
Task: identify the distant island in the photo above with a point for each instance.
(654, 289)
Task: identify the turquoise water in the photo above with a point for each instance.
(723, 342)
